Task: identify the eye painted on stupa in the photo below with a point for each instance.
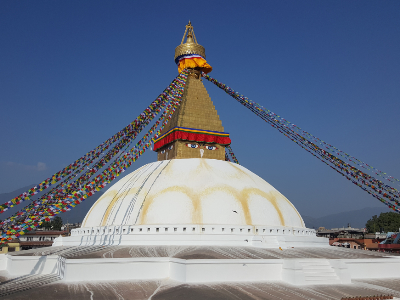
(162, 151)
(192, 145)
(170, 147)
(211, 147)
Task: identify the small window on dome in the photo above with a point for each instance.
(203, 229)
(257, 230)
(175, 229)
(264, 230)
(232, 229)
(184, 228)
(248, 230)
(140, 229)
(241, 229)
(166, 228)
(148, 229)
(223, 229)
(193, 229)
(131, 229)
(157, 229)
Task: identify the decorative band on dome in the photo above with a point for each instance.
(187, 56)
(191, 134)
(191, 61)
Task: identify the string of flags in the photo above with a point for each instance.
(77, 182)
(229, 152)
(324, 152)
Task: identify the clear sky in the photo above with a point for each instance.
(72, 73)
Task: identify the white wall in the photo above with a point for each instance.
(374, 268)
(220, 235)
(29, 265)
(197, 270)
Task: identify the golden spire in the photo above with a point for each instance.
(195, 129)
(191, 46)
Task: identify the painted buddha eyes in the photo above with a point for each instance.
(211, 147)
(197, 146)
(192, 145)
(170, 147)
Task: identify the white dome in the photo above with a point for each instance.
(192, 191)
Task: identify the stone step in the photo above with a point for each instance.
(319, 272)
(309, 267)
(24, 283)
(325, 281)
(320, 276)
(322, 262)
(322, 272)
(31, 280)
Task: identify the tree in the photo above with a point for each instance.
(54, 224)
(388, 222)
(46, 225)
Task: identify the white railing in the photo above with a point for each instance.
(193, 229)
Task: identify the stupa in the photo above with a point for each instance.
(191, 195)
(194, 226)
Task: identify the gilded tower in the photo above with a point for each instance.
(195, 129)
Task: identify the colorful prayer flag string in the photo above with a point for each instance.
(116, 160)
(229, 150)
(383, 192)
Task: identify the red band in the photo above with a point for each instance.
(189, 136)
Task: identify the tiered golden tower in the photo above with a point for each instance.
(195, 129)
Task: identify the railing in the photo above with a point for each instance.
(193, 229)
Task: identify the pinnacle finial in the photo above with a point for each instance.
(190, 37)
(190, 46)
(191, 51)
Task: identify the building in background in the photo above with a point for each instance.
(39, 239)
(391, 243)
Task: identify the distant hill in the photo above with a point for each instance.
(356, 218)
(4, 197)
(8, 196)
(76, 215)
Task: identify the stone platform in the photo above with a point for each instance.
(172, 290)
(166, 272)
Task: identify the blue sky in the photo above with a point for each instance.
(72, 73)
